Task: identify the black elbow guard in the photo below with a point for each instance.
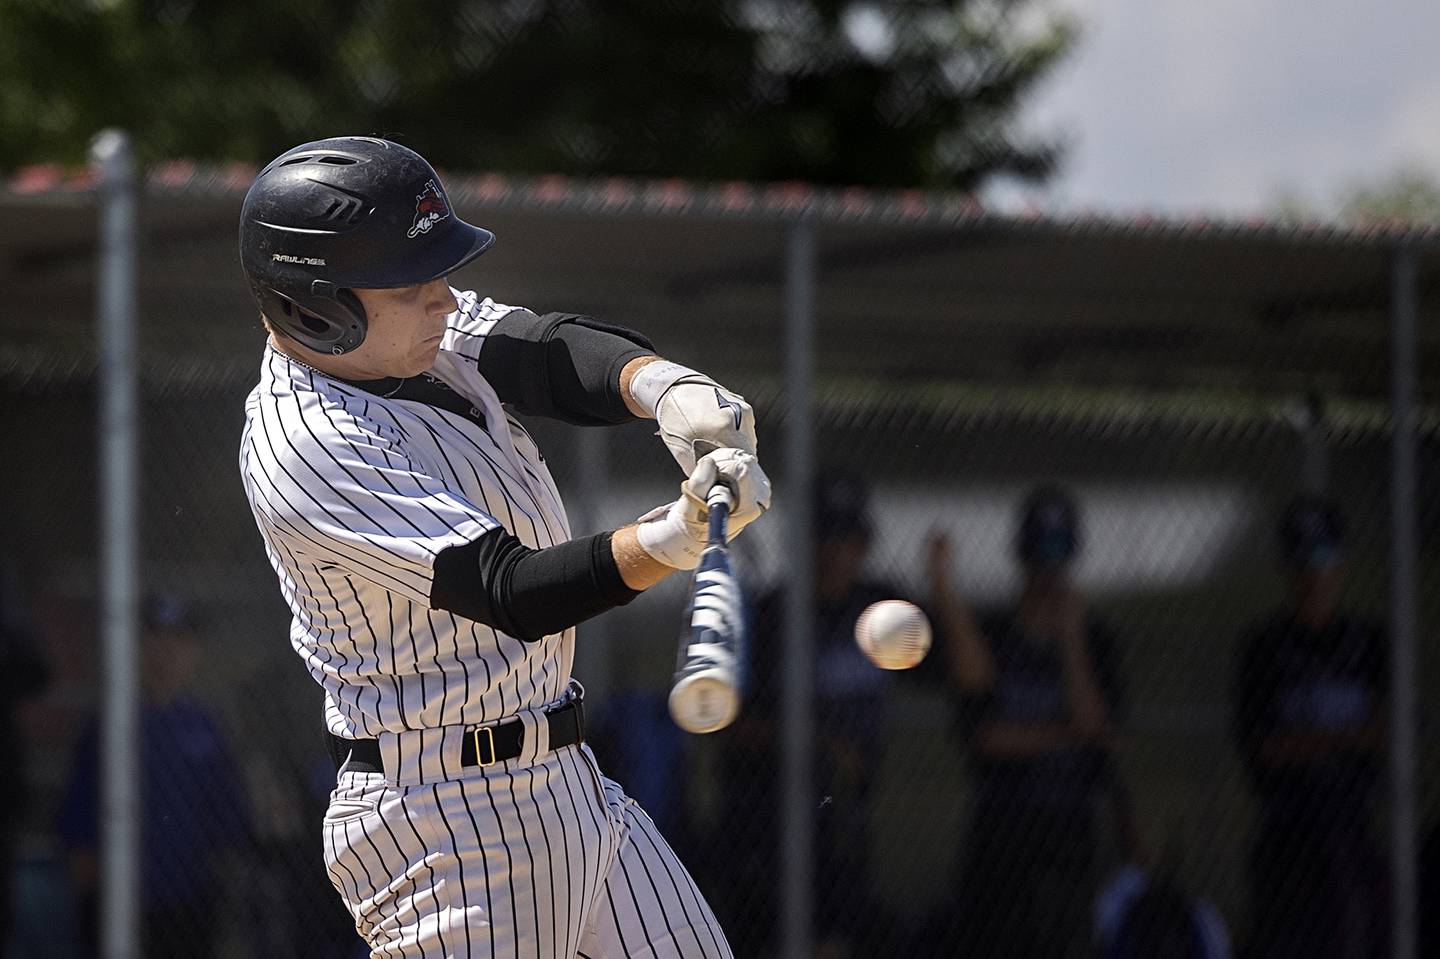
(561, 365)
(528, 593)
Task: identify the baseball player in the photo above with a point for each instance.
(424, 551)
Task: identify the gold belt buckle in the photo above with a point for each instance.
(479, 753)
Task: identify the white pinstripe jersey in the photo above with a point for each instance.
(356, 493)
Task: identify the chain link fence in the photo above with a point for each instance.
(1153, 720)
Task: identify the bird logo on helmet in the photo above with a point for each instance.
(430, 209)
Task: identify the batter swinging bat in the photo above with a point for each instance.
(705, 696)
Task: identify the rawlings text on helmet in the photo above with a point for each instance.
(430, 209)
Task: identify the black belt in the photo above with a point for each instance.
(482, 746)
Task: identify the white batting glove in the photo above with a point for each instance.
(675, 533)
(696, 415)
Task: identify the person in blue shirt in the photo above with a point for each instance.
(1144, 914)
(849, 693)
(192, 801)
(1040, 695)
(1311, 696)
(24, 674)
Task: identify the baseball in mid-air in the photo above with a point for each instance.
(893, 634)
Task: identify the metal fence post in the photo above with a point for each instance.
(797, 715)
(1404, 658)
(119, 579)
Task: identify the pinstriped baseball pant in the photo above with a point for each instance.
(549, 860)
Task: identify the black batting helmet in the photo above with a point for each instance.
(334, 215)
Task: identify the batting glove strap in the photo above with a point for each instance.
(674, 534)
(652, 380)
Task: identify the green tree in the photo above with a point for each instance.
(1410, 195)
(907, 93)
(1407, 196)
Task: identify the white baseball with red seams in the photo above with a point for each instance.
(893, 634)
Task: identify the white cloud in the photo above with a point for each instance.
(1185, 106)
(1413, 131)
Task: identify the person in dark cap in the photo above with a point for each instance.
(192, 800)
(1040, 695)
(849, 692)
(1311, 697)
(24, 675)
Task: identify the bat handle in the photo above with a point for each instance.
(720, 495)
(719, 502)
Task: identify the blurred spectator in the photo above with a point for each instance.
(1040, 693)
(1310, 722)
(192, 803)
(1430, 892)
(1145, 915)
(643, 748)
(292, 907)
(1144, 911)
(848, 698)
(23, 674)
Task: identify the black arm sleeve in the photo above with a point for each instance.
(528, 593)
(561, 365)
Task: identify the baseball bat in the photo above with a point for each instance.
(705, 695)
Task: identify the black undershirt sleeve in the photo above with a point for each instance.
(561, 365)
(528, 593)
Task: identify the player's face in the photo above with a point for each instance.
(405, 326)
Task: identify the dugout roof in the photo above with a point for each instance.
(915, 291)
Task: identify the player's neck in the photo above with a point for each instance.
(343, 367)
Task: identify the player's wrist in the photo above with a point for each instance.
(638, 570)
(651, 381)
(673, 535)
(628, 372)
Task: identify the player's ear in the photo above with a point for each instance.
(272, 329)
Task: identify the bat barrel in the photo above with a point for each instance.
(705, 701)
(706, 693)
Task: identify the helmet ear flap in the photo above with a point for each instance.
(335, 322)
(351, 302)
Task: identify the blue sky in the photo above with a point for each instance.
(1216, 106)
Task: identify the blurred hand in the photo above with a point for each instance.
(939, 559)
(1070, 613)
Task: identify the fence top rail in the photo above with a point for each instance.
(747, 201)
(935, 406)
